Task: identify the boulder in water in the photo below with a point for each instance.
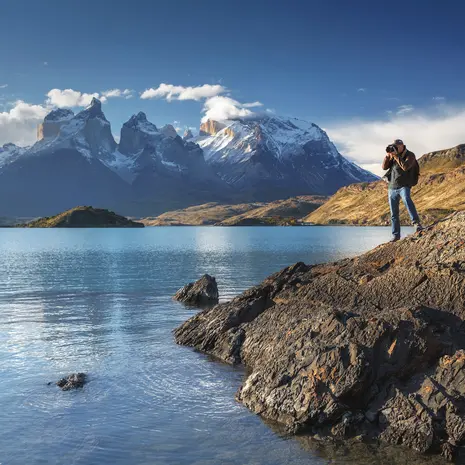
(73, 381)
(202, 292)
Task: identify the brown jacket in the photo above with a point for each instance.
(405, 160)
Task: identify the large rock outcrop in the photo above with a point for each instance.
(370, 347)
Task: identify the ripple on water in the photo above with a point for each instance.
(99, 301)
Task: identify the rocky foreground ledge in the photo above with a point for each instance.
(370, 348)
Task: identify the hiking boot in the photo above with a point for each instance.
(418, 227)
(395, 239)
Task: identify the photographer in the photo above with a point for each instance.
(403, 172)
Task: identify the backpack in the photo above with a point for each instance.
(415, 173)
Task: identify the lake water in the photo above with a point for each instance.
(99, 301)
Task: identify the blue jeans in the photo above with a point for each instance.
(394, 199)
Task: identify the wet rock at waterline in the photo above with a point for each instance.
(202, 292)
(74, 381)
(371, 347)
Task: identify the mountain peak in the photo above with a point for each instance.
(60, 114)
(168, 130)
(211, 127)
(141, 123)
(95, 103)
(141, 116)
(187, 134)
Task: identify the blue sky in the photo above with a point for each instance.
(344, 65)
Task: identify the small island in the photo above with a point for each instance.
(84, 217)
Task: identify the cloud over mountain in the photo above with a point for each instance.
(19, 124)
(222, 108)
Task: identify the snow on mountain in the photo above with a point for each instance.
(77, 161)
(168, 130)
(188, 135)
(10, 152)
(297, 155)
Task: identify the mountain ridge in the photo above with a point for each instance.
(76, 160)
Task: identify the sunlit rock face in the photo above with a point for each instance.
(50, 128)
(211, 127)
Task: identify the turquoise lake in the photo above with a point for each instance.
(99, 301)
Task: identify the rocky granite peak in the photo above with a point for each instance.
(370, 347)
(50, 128)
(211, 127)
(137, 133)
(169, 131)
(59, 114)
(188, 134)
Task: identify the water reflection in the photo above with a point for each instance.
(100, 301)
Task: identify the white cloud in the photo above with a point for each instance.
(253, 104)
(3, 86)
(126, 93)
(404, 109)
(439, 99)
(222, 108)
(19, 124)
(361, 89)
(45, 63)
(69, 98)
(364, 142)
(171, 92)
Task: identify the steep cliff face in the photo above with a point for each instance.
(369, 348)
(187, 134)
(166, 170)
(440, 191)
(50, 128)
(211, 128)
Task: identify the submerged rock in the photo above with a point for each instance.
(204, 291)
(371, 347)
(74, 381)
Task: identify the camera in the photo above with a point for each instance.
(391, 149)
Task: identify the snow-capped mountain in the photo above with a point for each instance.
(10, 152)
(76, 161)
(64, 168)
(165, 167)
(272, 157)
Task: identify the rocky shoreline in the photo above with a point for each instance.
(370, 348)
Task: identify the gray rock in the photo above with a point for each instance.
(326, 349)
(73, 381)
(204, 291)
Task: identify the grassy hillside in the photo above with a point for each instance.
(279, 212)
(84, 217)
(257, 213)
(440, 191)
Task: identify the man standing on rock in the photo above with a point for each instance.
(402, 175)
